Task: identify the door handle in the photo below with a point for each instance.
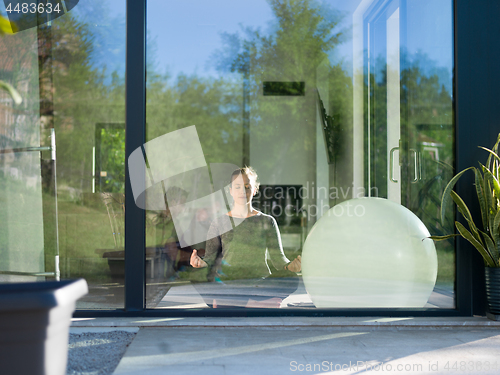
(391, 164)
(416, 175)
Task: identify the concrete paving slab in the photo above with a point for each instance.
(325, 350)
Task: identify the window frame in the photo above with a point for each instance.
(472, 22)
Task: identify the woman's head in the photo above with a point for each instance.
(244, 185)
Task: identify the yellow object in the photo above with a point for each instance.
(6, 27)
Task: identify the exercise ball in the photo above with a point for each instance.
(369, 253)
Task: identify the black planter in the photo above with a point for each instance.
(492, 281)
(34, 325)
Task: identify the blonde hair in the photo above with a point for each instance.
(250, 173)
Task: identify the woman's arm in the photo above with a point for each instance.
(275, 248)
(273, 244)
(212, 249)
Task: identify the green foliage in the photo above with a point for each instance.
(226, 107)
(112, 159)
(426, 124)
(7, 28)
(12, 92)
(82, 100)
(486, 241)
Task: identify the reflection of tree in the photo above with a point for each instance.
(426, 113)
(225, 110)
(301, 38)
(111, 156)
(18, 66)
(209, 103)
(426, 124)
(340, 95)
(429, 113)
(81, 100)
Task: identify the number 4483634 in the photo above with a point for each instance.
(470, 366)
(33, 8)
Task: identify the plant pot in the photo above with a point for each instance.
(492, 281)
(34, 325)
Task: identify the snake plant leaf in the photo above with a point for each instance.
(480, 196)
(496, 164)
(495, 146)
(496, 231)
(496, 223)
(445, 165)
(493, 181)
(482, 250)
(442, 238)
(488, 198)
(446, 194)
(492, 154)
(495, 150)
(464, 210)
(488, 162)
(492, 209)
(12, 91)
(491, 246)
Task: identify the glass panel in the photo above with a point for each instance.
(64, 201)
(430, 130)
(412, 117)
(327, 101)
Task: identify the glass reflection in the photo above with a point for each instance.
(241, 248)
(69, 219)
(327, 100)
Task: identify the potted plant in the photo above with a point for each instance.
(34, 325)
(487, 240)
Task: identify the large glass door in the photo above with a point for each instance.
(327, 101)
(409, 128)
(384, 134)
(62, 148)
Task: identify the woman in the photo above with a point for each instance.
(241, 242)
